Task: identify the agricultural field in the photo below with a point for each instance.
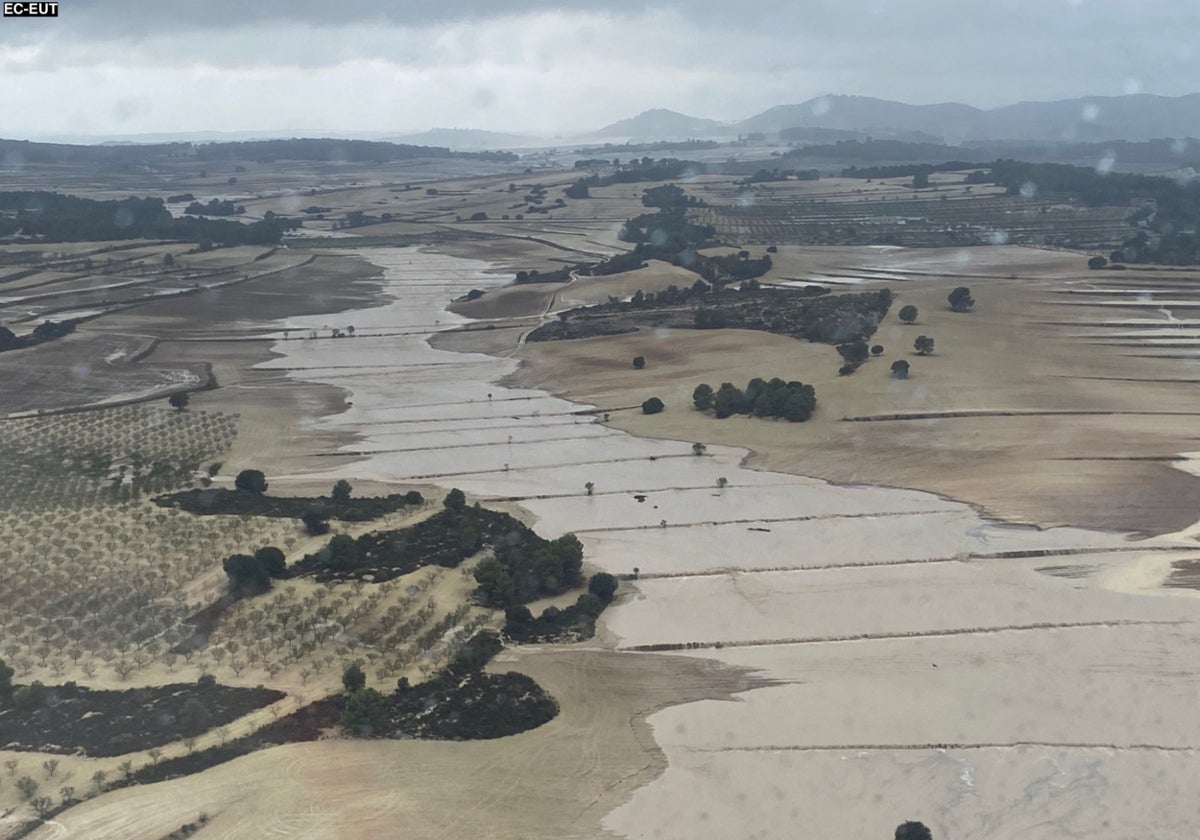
(356, 351)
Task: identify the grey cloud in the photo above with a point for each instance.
(570, 65)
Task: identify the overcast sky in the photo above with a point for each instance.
(530, 66)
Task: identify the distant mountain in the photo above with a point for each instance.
(865, 114)
(1089, 118)
(469, 139)
(1140, 116)
(661, 124)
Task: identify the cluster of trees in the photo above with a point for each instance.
(766, 176)
(461, 702)
(1170, 234)
(669, 195)
(325, 149)
(251, 574)
(562, 275)
(216, 207)
(904, 170)
(793, 401)
(529, 567)
(575, 622)
(250, 500)
(670, 236)
(45, 331)
(644, 169)
(63, 218)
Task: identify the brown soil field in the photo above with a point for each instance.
(1058, 429)
(556, 781)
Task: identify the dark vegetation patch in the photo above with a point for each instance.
(809, 313)
(462, 702)
(793, 401)
(639, 169)
(54, 217)
(69, 718)
(43, 332)
(212, 501)
(571, 624)
(523, 566)
(305, 724)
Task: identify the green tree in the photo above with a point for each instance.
(316, 522)
(27, 786)
(702, 397)
(179, 401)
(1096, 263)
(900, 369)
(247, 575)
(341, 491)
(272, 560)
(456, 500)
(854, 352)
(908, 314)
(6, 686)
(353, 678)
(343, 552)
(923, 345)
(639, 362)
(603, 586)
(912, 830)
(876, 349)
(652, 406)
(960, 299)
(366, 713)
(252, 481)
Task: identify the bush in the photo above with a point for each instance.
(652, 406)
(900, 369)
(252, 481)
(639, 362)
(877, 350)
(1097, 263)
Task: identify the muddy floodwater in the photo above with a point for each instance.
(923, 663)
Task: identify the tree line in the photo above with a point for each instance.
(67, 218)
(793, 401)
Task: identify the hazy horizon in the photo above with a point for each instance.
(129, 67)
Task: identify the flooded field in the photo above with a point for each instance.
(923, 662)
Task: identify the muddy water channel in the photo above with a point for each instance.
(988, 680)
